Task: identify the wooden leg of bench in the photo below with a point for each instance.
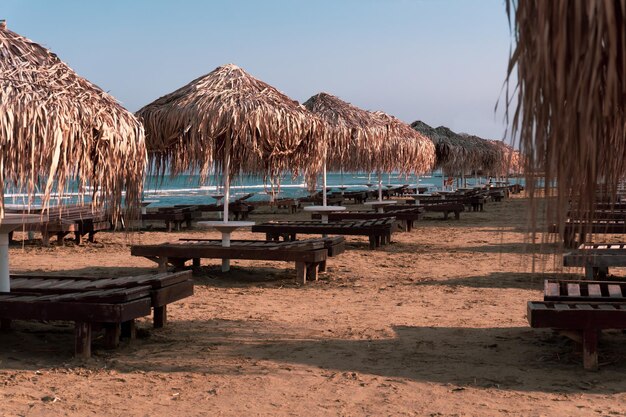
(590, 272)
(300, 272)
(603, 272)
(60, 237)
(162, 261)
(457, 215)
(5, 325)
(82, 339)
(77, 237)
(129, 329)
(160, 317)
(112, 332)
(372, 242)
(445, 215)
(322, 266)
(196, 262)
(91, 237)
(590, 349)
(311, 272)
(45, 238)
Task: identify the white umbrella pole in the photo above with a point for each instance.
(226, 178)
(324, 184)
(226, 175)
(380, 186)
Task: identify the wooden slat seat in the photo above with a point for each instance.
(577, 290)
(308, 256)
(379, 230)
(407, 215)
(335, 245)
(110, 308)
(173, 216)
(165, 288)
(61, 220)
(597, 258)
(581, 320)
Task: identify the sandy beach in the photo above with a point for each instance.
(432, 325)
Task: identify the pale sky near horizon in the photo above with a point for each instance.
(440, 61)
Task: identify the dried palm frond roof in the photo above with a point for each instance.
(405, 150)
(60, 127)
(269, 132)
(476, 155)
(568, 66)
(451, 155)
(364, 140)
(490, 156)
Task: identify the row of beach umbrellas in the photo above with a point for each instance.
(60, 130)
(226, 121)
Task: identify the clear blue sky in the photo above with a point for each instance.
(440, 61)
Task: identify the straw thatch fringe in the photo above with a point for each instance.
(405, 150)
(62, 130)
(269, 132)
(570, 66)
(365, 141)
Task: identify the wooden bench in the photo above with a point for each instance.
(78, 219)
(445, 208)
(585, 228)
(165, 288)
(379, 231)
(292, 204)
(597, 258)
(579, 320)
(308, 256)
(406, 215)
(237, 210)
(173, 216)
(359, 197)
(114, 309)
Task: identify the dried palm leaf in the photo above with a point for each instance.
(569, 64)
(58, 131)
(269, 132)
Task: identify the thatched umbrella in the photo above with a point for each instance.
(451, 154)
(59, 127)
(570, 114)
(232, 122)
(372, 141)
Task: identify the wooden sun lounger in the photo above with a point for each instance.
(110, 309)
(577, 290)
(62, 220)
(308, 256)
(584, 228)
(238, 210)
(379, 231)
(406, 215)
(597, 258)
(335, 245)
(165, 288)
(292, 204)
(173, 216)
(580, 320)
(445, 208)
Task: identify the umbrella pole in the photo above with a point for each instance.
(380, 186)
(226, 178)
(324, 184)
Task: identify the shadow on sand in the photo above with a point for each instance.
(514, 358)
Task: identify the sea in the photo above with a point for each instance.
(188, 189)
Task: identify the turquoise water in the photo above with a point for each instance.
(187, 189)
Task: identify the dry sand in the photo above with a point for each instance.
(432, 325)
